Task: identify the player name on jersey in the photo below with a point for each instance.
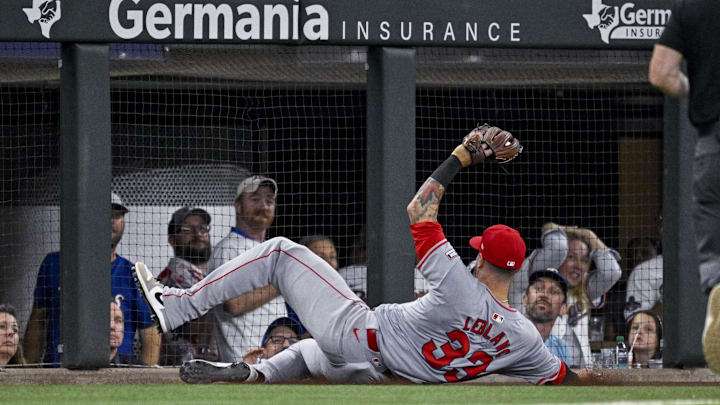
(483, 328)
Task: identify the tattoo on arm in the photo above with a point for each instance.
(424, 206)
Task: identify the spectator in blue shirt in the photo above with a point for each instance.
(545, 299)
(42, 338)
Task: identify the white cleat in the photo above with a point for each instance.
(711, 333)
(206, 372)
(152, 291)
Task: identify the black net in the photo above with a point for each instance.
(190, 123)
(190, 142)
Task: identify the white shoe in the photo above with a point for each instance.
(152, 291)
(711, 333)
(199, 371)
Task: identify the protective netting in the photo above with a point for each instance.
(189, 123)
(190, 142)
(592, 160)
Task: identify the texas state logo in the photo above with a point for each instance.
(625, 21)
(45, 12)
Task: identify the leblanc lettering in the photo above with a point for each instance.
(128, 20)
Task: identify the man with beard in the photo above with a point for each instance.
(189, 236)
(545, 300)
(42, 338)
(241, 322)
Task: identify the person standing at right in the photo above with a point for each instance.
(241, 322)
(692, 34)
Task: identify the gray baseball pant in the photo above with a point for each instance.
(335, 317)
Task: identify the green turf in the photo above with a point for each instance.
(342, 394)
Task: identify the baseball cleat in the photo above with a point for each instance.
(711, 333)
(206, 372)
(152, 291)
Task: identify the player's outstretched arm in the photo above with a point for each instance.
(424, 206)
(482, 143)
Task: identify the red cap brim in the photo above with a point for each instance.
(476, 242)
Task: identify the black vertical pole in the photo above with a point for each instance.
(85, 205)
(390, 173)
(684, 304)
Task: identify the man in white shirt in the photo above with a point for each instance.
(644, 287)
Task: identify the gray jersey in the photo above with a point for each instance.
(236, 334)
(459, 330)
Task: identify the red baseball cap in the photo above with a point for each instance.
(501, 246)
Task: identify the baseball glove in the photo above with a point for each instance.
(503, 145)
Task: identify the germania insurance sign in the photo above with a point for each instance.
(465, 23)
(626, 21)
(245, 21)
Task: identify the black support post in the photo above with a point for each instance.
(390, 173)
(85, 205)
(684, 304)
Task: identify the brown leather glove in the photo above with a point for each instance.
(502, 144)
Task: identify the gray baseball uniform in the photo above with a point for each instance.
(238, 333)
(458, 331)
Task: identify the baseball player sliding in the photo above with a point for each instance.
(460, 330)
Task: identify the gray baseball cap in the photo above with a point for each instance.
(252, 183)
(117, 203)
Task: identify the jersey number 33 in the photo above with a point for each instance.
(480, 359)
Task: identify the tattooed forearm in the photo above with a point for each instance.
(424, 206)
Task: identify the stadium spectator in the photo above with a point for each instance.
(355, 274)
(189, 236)
(544, 301)
(241, 321)
(42, 337)
(10, 349)
(644, 334)
(639, 250)
(117, 328)
(691, 34)
(645, 282)
(281, 334)
(572, 251)
(539, 259)
(645, 287)
(322, 246)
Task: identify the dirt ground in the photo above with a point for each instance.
(169, 375)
